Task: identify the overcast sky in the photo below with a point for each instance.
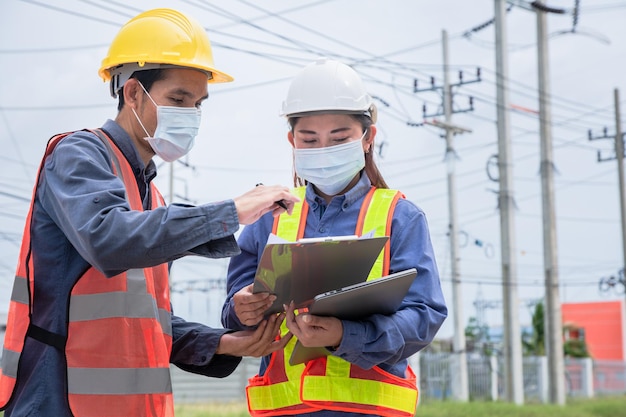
(50, 53)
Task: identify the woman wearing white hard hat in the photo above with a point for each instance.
(366, 371)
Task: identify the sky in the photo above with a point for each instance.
(50, 53)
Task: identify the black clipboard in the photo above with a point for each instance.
(298, 271)
(379, 296)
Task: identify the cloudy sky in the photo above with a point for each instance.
(50, 53)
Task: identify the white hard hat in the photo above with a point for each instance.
(327, 86)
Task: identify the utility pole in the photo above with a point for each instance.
(553, 319)
(619, 155)
(460, 384)
(513, 371)
(172, 178)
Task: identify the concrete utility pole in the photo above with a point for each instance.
(553, 323)
(513, 372)
(619, 154)
(460, 385)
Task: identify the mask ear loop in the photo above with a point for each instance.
(139, 120)
(362, 138)
(148, 94)
(135, 113)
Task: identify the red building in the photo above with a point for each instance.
(602, 324)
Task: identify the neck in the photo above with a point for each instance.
(128, 122)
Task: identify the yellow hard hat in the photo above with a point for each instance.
(159, 38)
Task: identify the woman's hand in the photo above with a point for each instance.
(250, 307)
(314, 331)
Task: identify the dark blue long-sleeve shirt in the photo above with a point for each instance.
(80, 219)
(386, 341)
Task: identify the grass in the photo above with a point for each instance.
(599, 407)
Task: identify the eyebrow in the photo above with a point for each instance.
(313, 132)
(183, 92)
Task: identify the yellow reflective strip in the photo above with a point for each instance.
(288, 225)
(283, 394)
(376, 219)
(360, 391)
(293, 372)
(272, 397)
(337, 367)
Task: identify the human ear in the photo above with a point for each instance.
(132, 91)
(290, 138)
(368, 140)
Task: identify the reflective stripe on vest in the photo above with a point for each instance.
(119, 331)
(18, 318)
(332, 383)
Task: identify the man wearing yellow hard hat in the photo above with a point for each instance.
(90, 330)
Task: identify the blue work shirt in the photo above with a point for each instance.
(378, 340)
(80, 219)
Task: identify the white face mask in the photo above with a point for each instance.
(331, 168)
(176, 131)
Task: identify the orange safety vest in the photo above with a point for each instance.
(119, 335)
(332, 383)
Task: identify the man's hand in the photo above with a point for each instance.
(262, 199)
(314, 331)
(257, 343)
(249, 307)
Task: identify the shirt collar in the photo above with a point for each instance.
(125, 143)
(353, 195)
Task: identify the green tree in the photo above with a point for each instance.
(533, 342)
(477, 337)
(575, 347)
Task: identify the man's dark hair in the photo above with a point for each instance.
(146, 78)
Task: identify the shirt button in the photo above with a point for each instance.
(322, 230)
(96, 199)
